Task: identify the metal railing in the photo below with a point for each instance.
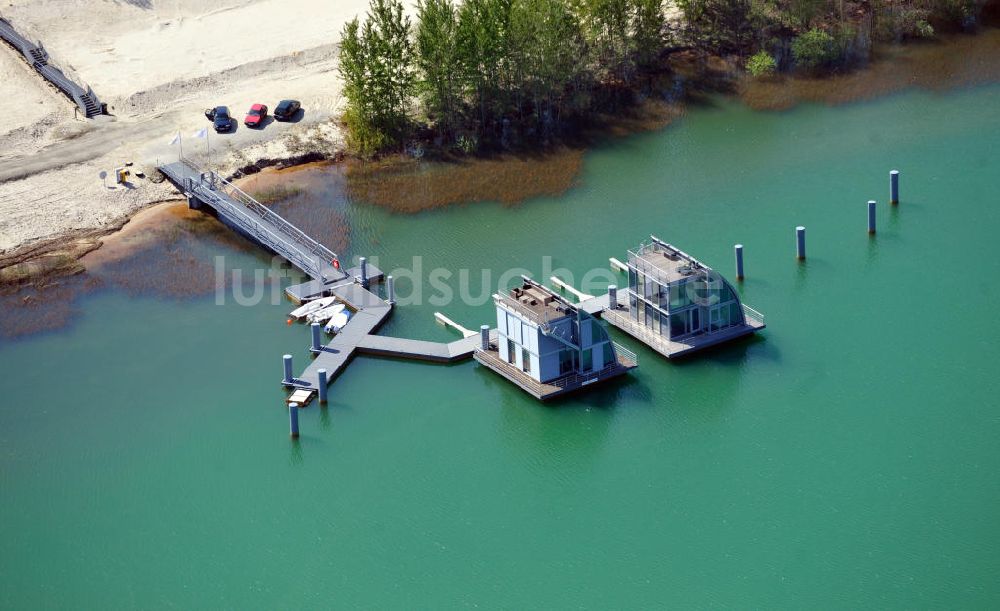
(526, 312)
(263, 224)
(266, 213)
(582, 379)
(752, 314)
(643, 332)
(628, 354)
(266, 230)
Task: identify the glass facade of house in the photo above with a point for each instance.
(679, 297)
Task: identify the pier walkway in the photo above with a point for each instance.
(206, 189)
(253, 219)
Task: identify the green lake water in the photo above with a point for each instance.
(847, 457)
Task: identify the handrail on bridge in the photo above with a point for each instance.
(264, 212)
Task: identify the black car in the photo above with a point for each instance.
(222, 121)
(286, 110)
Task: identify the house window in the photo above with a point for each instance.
(678, 324)
(525, 360)
(588, 360)
(632, 306)
(566, 361)
(511, 352)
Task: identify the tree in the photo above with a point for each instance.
(438, 62)
(647, 27)
(724, 26)
(761, 64)
(375, 63)
(483, 48)
(813, 49)
(545, 54)
(607, 25)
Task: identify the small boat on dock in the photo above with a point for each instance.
(325, 314)
(313, 306)
(337, 322)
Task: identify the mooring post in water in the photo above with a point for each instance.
(800, 242)
(871, 216)
(390, 292)
(612, 296)
(894, 187)
(288, 368)
(484, 337)
(293, 420)
(321, 374)
(739, 261)
(364, 272)
(314, 327)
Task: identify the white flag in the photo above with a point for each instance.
(175, 139)
(201, 133)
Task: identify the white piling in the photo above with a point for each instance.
(612, 296)
(484, 337)
(444, 320)
(871, 216)
(293, 420)
(615, 263)
(315, 337)
(894, 187)
(321, 374)
(364, 272)
(739, 261)
(287, 359)
(390, 290)
(800, 242)
(580, 295)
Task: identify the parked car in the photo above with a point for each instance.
(286, 109)
(222, 121)
(256, 116)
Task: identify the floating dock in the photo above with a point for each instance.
(207, 190)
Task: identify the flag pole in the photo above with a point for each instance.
(180, 144)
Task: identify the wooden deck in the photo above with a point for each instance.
(554, 388)
(619, 317)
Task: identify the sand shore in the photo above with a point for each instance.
(157, 65)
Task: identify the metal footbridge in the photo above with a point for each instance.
(253, 219)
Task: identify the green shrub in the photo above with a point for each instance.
(813, 49)
(761, 64)
(365, 138)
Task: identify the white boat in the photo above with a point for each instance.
(313, 306)
(325, 314)
(337, 322)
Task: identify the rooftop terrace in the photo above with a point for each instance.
(665, 262)
(536, 302)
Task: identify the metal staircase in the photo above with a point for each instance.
(38, 58)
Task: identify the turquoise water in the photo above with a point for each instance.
(845, 458)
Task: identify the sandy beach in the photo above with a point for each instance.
(157, 65)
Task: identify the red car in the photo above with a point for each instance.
(256, 116)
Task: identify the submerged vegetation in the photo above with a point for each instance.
(486, 74)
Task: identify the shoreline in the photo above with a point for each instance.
(928, 65)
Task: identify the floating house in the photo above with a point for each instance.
(548, 346)
(676, 304)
